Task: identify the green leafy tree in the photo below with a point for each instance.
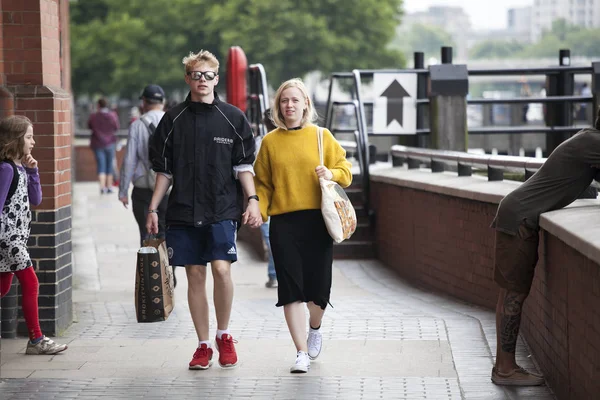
(584, 42)
(119, 46)
(292, 38)
(562, 35)
(495, 49)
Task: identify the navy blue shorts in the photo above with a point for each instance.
(188, 245)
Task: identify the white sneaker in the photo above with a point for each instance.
(45, 346)
(302, 364)
(315, 342)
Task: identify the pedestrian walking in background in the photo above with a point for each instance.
(104, 126)
(136, 167)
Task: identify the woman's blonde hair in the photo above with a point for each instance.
(203, 56)
(12, 136)
(309, 115)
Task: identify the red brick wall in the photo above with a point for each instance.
(562, 323)
(440, 241)
(445, 243)
(35, 82)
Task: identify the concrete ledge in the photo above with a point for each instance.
(578, 225)
(448, 183)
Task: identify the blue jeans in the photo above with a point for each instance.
(264, 228)
(104, 159)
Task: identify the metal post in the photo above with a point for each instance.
(446, 55)
(560, 114)
(419, 58)
(448, 107)
(329, 109)
(364, 136)
(564, 56)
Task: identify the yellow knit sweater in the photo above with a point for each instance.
(285, 178)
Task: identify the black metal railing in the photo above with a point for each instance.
(464, 163)
(559, 101)
(258, 98)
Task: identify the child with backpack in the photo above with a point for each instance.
(20, 187)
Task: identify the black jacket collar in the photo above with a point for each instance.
(199, 106)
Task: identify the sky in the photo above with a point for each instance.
(484, 14)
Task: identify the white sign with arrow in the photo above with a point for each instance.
(395, 107)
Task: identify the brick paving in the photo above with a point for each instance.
(383, 338)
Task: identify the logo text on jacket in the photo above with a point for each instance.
(222, 140)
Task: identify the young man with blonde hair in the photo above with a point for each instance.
(205, 148)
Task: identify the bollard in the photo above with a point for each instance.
(446, 55)
(448, 106)
(559, 114)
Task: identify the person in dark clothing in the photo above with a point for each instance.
(104, 126)
(136, 167)
(205, 148)
(564, 177)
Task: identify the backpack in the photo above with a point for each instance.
(14, 183)
(149, 179)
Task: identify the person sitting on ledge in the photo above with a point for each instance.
(565, 176)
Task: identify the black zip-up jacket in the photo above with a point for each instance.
(203, 146)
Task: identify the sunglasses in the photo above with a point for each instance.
(196, 75)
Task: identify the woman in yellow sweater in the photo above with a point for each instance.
(287, 183)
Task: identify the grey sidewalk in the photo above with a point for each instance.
(383, 338)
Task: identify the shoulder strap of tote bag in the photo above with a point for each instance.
(320, 142)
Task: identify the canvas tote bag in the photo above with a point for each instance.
(338, 213)
(154, 286)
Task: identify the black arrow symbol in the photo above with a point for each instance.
(395, 105)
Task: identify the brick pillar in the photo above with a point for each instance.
(35, 79)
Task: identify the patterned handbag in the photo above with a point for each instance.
(337, 210)
(154, 285)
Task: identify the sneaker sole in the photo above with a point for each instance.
(200, 367)
(299, 371)
(315, 357)
(46, 354)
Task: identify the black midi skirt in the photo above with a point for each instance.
(303, 255)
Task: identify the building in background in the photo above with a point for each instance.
(519, 23)
(518, 28)
(583, 13)
(453, 20)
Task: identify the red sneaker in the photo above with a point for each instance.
(227, 355)
(202, 358)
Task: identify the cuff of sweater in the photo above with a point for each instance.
(336, 175)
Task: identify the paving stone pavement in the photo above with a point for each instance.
(383, 338)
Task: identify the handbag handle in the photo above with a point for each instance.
(320, 144)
